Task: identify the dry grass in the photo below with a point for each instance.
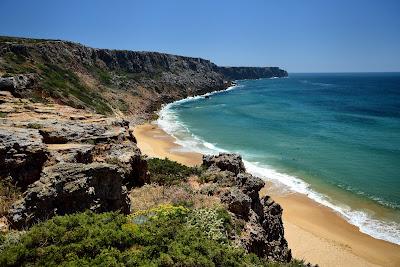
(152, 195)
(8, 195)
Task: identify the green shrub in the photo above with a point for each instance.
(34, 126)
(110, 239)
(161, 236)
(168, 172)
(101, 74)
(67, 238)
(213, 222)
(60, 83)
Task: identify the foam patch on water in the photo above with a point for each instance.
(169, 121)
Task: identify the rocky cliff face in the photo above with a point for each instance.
(106, 81)
(65, 160)
(262, 232)
(240, 73)
(110, 81)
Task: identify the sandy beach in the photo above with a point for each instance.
(315, 233)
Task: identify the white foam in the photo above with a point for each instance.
(169, 121)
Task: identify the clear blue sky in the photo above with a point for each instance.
(300, 36)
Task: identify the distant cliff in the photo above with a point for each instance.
(110, 81)
(240, 73)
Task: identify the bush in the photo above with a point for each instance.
(34, 126)
(63, 83)
(214, 223)
(111, 239)
(72, 238)
(163, 236)
(168, 172)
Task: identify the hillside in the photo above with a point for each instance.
(110, 81)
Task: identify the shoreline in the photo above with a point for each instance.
(315, 233)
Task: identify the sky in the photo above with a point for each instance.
(297, 35)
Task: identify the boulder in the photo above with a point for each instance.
(22, 155)
(225, 162)
(61, 132)
(128, 156)
(70, 153)
(237, 202)
(68, 188)
(18, 84)
(250, 185)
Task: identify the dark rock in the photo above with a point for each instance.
(263, 232)
(250, 185)
(237, 202)
(240, 73)
(129, 157)
(18, 84)
(67, 188)
(273, 226)
(22, 155)
(225, 162)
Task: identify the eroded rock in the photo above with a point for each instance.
(18, 84)
(71, 187)
(263, 232)
(22, 155)
(225, 162)
(237, 202)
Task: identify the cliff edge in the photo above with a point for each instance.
(110, 81)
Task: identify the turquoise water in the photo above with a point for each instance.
(335, 137)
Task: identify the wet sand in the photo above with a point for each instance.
(315, 233)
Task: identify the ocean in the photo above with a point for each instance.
(334, 137)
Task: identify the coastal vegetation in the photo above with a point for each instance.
(168, 172)
(163, 236)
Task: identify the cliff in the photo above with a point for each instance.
(109, 81)
(241, 73)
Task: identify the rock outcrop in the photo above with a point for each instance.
(68, 188)
(18, 85)
(263, 232)
(22, 155)
(65, 160)
(225, 162)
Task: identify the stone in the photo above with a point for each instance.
(249, 184)
(127, 156)
(237, 202)
(22, 155)
(274, 230)
(67, 188)
(18, 84)
(225, 162)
